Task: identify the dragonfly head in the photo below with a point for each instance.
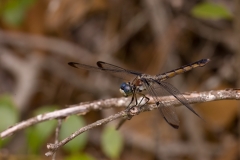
(126, 89)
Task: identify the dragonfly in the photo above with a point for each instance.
(154, 85)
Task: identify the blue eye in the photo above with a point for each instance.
(123, 85)
(125, 89)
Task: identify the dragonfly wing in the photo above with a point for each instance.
(118, 71)
(109, 68)
(170, 115)
(84, 66)
(174, 91)
(168, 112)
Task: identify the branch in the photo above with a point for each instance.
(53, 147)
(83, 108)
(79, 109)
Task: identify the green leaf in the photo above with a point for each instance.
(8, 113)
(111, 142)
(72, 124)
(207, 10)
(14, 11)
(78, 156)
(38, 134)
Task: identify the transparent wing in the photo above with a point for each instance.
(118, 71)
(84, 66)
(168, 112)
(173, 91)
(109, 68)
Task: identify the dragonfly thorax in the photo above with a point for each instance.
(138, 85)
(126, 89)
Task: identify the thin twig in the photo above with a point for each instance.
(54, 147)
(79, 109)
(83, 108)
(57, 135)
(169, 100)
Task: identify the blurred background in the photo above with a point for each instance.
(39, 37)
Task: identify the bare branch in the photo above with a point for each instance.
(167, 100)
(58, 128)
(54, 147)
(83, 108)
(80, 109)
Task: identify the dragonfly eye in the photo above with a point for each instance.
(125, 89)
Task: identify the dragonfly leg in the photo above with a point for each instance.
(138, 108)
(129, 107)
(132, 110)
(129, 110)
(143, 97)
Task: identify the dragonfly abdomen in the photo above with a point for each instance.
(183, 69)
